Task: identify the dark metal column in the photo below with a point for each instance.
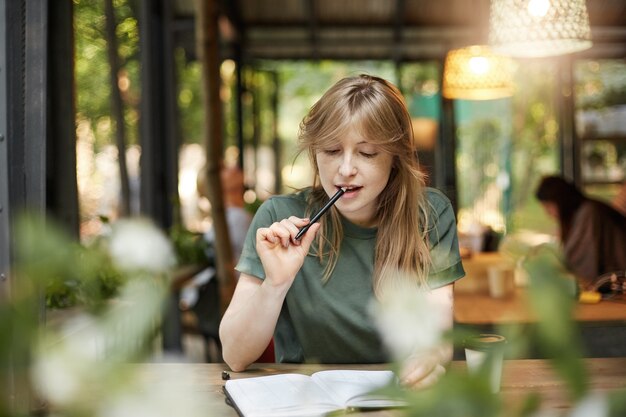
(276, 144)
(238, 102)
(62, 188)
(28, 111)
(6, 378)
(445, 152)
(24, 118)
(570, 146)
(159, 136)
(33, 188)
(26, 108)
(5, 240)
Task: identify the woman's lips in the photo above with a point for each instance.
(351, 191)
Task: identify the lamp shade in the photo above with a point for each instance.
(476, 73)
(538, 28)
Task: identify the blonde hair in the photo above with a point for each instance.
(376, 109)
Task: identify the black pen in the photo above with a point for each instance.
(319, 214)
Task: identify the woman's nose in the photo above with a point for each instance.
(347, 167)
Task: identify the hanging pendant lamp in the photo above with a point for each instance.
(476, 73)
(538, 28)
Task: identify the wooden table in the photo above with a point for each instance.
(602, 325)
(481, 309)
(520, 377)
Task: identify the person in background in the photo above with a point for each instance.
(592, 233)
(237, 217)
(198, 295)
(238, 220)
(312, 295)
(619, 202)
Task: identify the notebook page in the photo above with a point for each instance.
(352, 388)
(279, 395)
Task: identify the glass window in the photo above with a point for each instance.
(504, 147)
(600, 87)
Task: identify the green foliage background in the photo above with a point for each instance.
(92, 67)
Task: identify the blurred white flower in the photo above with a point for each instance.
(169, 393)
(138, 245)
(593, 405)
(54, 380)
(63, 366)
(87, 356)
(408, 321)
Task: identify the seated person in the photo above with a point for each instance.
(592, 233)
(238, 220)
(200, 293)
(312, 295)
(619, 202)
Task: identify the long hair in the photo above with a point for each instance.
(376, 109)
(565, 195)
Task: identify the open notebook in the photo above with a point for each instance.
(298, 395)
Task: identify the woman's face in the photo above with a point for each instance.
(551, 209)
(360, 166)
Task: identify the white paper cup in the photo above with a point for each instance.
(501, 281)
(485, 353)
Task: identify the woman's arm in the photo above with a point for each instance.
(248, 323)
(425, 368)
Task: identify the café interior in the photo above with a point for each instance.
(493, 110)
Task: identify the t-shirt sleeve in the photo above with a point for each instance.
(238, 220)
(444, 243)
(249, 262)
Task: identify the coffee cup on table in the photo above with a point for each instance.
(484, 353)
(501, 281)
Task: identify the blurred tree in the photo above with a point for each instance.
(477, 150)
(535, 141)
(600, 83)
(94, 86)
(189, 97)
(92, 83)
(117, 105)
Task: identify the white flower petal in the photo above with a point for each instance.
(593, 405)
(168, 393)
(408, 322)
(138, 245)
(54, 380)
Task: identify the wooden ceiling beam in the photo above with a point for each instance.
(398, 30)
(309, 6)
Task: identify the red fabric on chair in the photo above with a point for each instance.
(268, 355)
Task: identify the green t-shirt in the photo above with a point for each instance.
(330, 323)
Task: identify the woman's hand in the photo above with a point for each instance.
(281, 255)
(422, 370)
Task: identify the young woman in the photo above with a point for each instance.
(312, 295)
(593, 234)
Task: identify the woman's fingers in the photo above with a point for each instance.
(299, 222)
(283, 232)
(421, 380)
(308, 237)
(417, 368)
(292, 230)
(265, 233)
(422, 371)
(276, 234)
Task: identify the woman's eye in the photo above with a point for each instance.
(369, 154)
(331, 151)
